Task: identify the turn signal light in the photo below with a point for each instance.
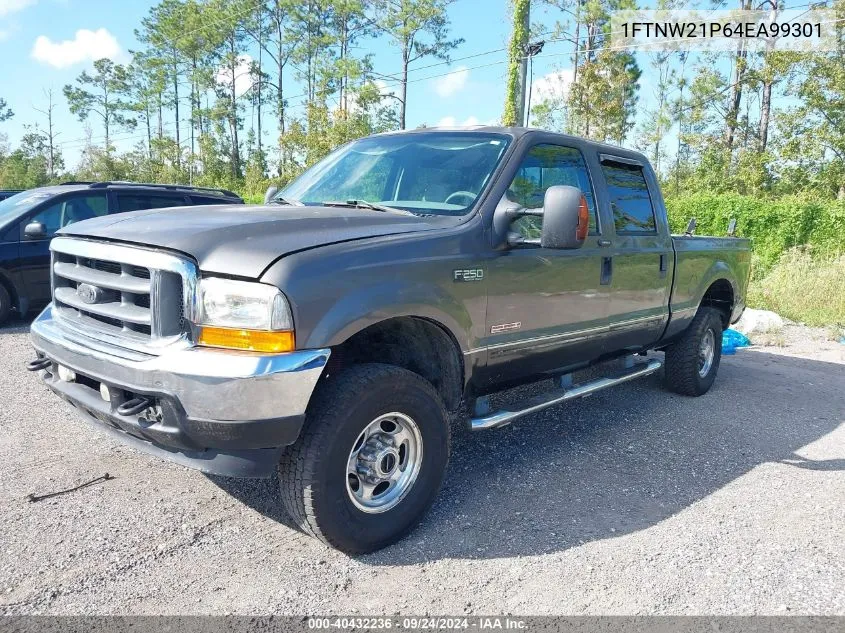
(248, 340)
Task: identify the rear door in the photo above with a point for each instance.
(641, 254)
(35, 251)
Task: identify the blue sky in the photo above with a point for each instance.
(47, 43)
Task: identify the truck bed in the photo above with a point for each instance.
(698, 258)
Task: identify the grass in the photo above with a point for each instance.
(774, 337)
(834, 332)
(802, 288)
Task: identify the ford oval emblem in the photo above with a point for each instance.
(88, 293)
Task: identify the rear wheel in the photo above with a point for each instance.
(692, 362)
(370, 460)
(5, 304)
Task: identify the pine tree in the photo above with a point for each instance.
(102, 94)
(420, 29)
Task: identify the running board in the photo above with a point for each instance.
(550, 399)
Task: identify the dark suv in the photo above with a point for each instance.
(28, 221)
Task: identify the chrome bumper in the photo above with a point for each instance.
(208, 399)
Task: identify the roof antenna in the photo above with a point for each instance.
(690, 228)
(732, 227)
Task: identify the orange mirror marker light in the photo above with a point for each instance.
(583, 220)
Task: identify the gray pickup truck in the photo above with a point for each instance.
(333, 334)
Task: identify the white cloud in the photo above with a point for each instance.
(450, 121)
(454, 82)
(553, 86)
(86, 46)
(243, 81)
(13, 6)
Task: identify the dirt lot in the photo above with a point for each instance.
(633, 501)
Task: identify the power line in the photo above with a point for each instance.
(397, 82)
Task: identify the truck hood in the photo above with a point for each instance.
(244, 240)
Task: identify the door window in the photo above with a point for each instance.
(629, 198)
(70, 210)
(545, 166)
(142, 201)
(198, 200)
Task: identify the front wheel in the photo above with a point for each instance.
(693, 361)
(370, 460)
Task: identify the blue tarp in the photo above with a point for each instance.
(731, 339)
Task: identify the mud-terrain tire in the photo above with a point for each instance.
(692, 362)
(349, 429)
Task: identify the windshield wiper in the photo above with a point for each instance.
(288, 201)
(363, 204)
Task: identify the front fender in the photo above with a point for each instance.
(366, 306)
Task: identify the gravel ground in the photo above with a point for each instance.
(633, 501)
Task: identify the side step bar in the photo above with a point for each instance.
(546, 400)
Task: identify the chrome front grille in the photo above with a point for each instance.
(134, 297)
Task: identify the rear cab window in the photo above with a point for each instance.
(630, 200)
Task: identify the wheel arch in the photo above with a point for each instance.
(721, 295)
(6, 282)
(417, 343)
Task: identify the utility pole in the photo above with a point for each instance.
(535, 48)
(515, 89)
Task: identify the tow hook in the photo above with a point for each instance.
(134, 406)
(38, 364)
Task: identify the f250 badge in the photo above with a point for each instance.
(468, 274)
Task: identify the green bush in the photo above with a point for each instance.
(775, 226)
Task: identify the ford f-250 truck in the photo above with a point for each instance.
(331, 334)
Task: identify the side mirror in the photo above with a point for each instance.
(35, 231)
(272, 190)
(566, 218)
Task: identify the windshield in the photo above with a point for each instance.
(12, 208)
(439, 173)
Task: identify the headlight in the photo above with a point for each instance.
(244, 315)
(243, 304)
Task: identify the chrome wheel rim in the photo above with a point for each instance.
(706, 353)
(384, 462)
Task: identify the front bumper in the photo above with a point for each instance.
(223, 412)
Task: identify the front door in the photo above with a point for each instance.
(35, 248)
(546, 307)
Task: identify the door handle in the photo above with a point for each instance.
(606, 270)
(604, 242)
(664, 266)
